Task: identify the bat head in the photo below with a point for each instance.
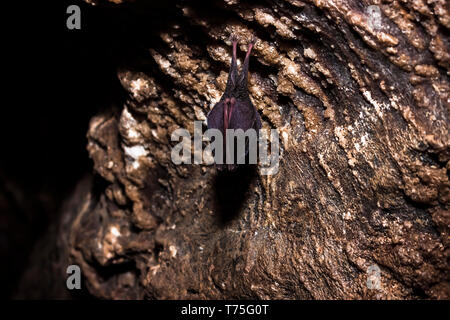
(237, 82)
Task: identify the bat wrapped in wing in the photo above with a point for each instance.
(235, 109)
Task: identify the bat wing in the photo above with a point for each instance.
(215, 117)
(245, 117)
(215, 121)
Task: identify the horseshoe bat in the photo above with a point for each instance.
(235, 109)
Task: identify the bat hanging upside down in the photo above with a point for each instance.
(235, 109)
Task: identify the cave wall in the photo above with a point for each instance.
(359, 93)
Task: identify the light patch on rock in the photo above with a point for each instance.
(173, 251)
(266, 19)
(155, 269)
(292, 69)
(364, 139)
(115, 231)
(379, 107)
(137, 85)
(374, 16)
(136, 165)
(135, 151)
(199, 114)
(129, 124)
(309, 53)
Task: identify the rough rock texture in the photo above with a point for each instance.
(360, 97)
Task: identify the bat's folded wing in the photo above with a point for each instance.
(245, 117)
(215, 117)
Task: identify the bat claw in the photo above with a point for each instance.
(252, 40)
(233, 38)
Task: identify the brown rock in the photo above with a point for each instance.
(363, 180)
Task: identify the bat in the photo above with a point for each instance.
(235, 109)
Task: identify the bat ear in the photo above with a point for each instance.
(233, 37)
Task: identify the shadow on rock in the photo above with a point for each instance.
(231, 191)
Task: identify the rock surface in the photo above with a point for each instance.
(359, 93)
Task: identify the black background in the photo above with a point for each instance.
(55, 80)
